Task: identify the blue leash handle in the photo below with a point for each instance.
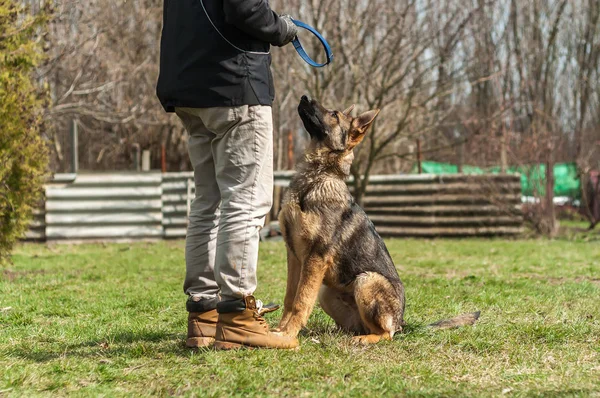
(300, 49)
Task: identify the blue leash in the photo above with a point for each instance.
(300, 49)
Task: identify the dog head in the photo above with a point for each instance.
(333, 134)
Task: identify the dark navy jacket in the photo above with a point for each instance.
(216, 53)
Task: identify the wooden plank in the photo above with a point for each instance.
(35, 234)
(132, 231)
(179, 175)
(174, 186)
(112, 179)
(451, 188)
(440, 231)
(284, 174)
(439, 199)
(441, 178)
(446, 209)
(408, 178)
(37, 223)
(62, 178)
(97, 205)
(400, 221)
(282, 178)
(175, 221)
(175, 233)
(175, 208)
(104, 218)
(174, 198)
(73, 192)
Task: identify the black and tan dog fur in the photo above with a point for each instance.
(333, 250)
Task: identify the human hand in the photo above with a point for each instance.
(292, 29)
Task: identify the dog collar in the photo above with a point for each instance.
(300, 49)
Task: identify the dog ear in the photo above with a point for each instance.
(360, 125)
(364, 120)
(349, 110)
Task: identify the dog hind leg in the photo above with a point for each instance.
(342, 308)
(378, 306)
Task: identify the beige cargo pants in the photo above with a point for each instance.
(231, 150)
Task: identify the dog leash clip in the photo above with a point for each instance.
(303, 54)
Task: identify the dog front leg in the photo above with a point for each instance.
(309, 283)
(293, 275)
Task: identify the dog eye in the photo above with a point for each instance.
(335, 115)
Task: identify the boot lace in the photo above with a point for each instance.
(259, 306)
(258, 316)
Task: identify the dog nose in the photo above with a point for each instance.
(304, 98)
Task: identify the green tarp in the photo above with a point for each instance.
(533, 178)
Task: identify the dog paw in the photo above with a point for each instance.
(365, 339)
(284, 332)
(359, 340)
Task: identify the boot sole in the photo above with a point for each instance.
(198, 342)
(227, 345)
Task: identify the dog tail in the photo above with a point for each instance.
(461, 320)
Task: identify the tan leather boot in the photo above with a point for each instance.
(245, 327)
(201, 328)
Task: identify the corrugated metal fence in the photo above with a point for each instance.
(104, 206)
(178, 191)
(154, 205)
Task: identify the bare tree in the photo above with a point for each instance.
(102, 70)
(402, 61)
(483, 82)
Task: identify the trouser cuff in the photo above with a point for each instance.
(228, 306)
(201, 305)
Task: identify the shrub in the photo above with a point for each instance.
(23, 157)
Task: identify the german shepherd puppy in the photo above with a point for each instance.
(333, 250)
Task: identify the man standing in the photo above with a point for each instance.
(215, 74)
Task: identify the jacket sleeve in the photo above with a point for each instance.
(256, 18)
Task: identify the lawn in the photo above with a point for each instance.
(90, 320)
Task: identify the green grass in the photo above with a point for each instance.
(109, 320)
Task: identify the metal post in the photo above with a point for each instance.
(189, 196)
(550, 216)
(163, 158)
(460, 157)
(137, 156)
(146, 160)
(419, 156)
(74, 147)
